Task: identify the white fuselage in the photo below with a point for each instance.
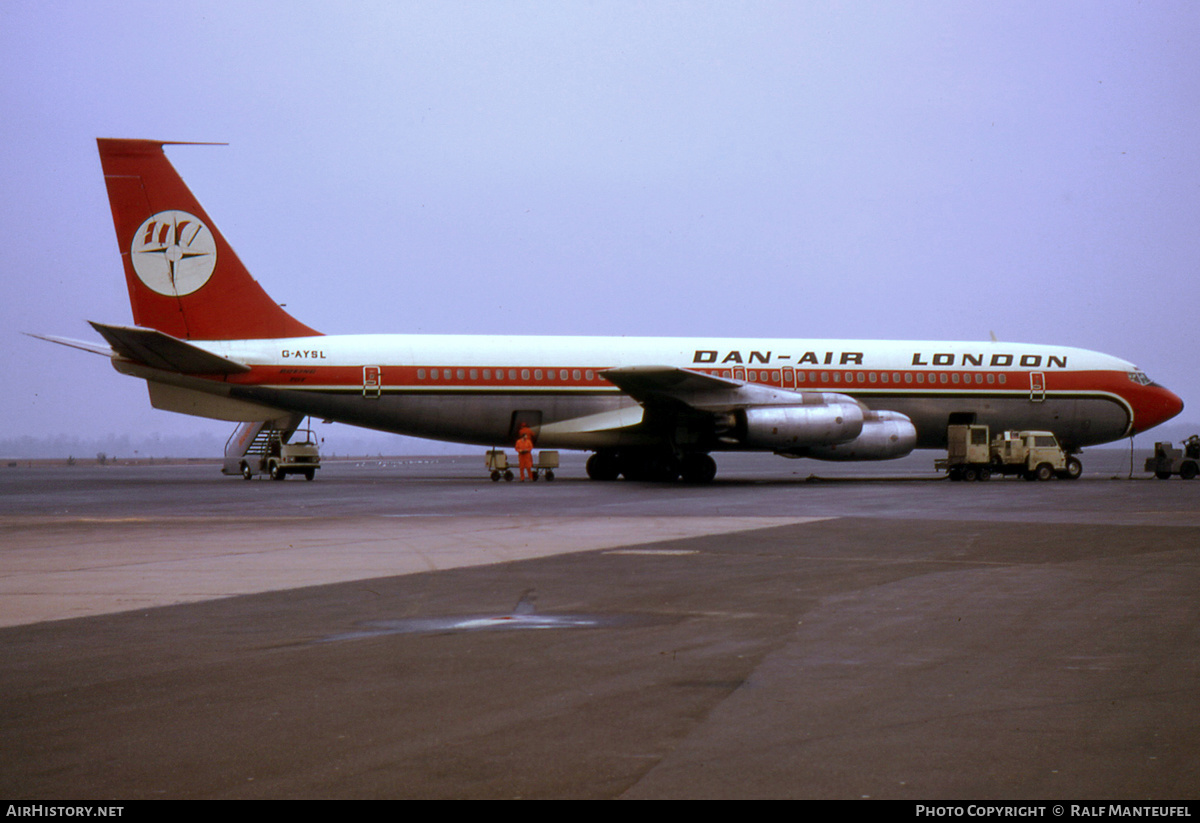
(472, 388)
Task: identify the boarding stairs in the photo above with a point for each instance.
(253, 440)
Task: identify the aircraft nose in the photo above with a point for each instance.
(1160, 406)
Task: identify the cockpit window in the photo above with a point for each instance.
(1140, 378)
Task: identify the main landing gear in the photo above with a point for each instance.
(653, 466)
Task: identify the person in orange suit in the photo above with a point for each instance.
(525, 453)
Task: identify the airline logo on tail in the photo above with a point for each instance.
(173, 253)
(184, 279)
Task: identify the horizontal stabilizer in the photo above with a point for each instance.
(162, 351)
(83, 345)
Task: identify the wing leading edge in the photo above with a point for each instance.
(701, 411)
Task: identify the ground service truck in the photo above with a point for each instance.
(973, 454)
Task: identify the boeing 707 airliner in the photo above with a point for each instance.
(209, 341)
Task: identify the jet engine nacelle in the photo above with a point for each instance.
(782, 428)
(886, 435)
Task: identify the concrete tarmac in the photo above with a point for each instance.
(407, 628)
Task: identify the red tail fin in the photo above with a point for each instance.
(183, 278)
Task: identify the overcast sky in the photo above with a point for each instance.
(926, 170)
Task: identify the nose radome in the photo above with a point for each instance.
(1160, 407)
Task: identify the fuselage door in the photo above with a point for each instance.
(372, 382)
(1037, 387)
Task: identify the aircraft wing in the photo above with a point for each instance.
(682, 405)
(665, 386)
(644, 383)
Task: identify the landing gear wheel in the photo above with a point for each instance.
(603, 466)
(651, 466)
(698, 468)
(664, 469)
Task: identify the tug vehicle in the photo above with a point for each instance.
(1168, 460)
